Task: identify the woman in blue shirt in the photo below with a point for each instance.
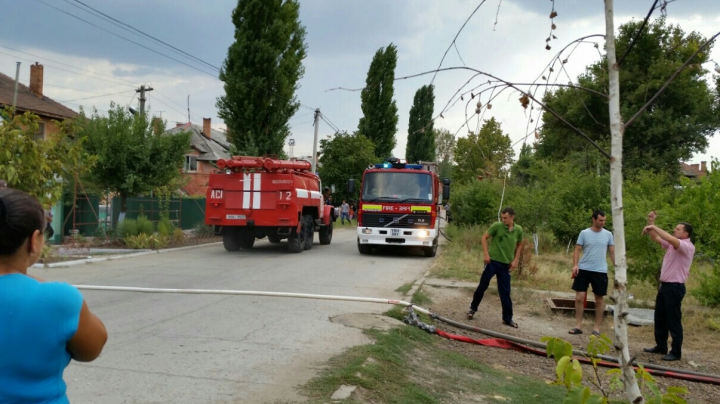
(42, 324)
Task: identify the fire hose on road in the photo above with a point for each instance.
(499, 341)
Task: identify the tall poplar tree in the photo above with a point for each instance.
(421, 134)
(380, 118)
(261, 74)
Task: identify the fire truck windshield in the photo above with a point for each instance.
(394, 186)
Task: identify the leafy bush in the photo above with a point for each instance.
(127, 227)
(144, 225)
(165, 226)
(476, 203)
(708, 293)
(146, 241)
(203, 230)
(178, 236)
(569, 373)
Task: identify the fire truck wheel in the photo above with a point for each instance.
(431, 251)
(309, 229)
(231, 239)
(364, 249)
(247, 239)
(296, 241)
(274, 239)
(326, 234)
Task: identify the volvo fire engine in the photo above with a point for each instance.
(400, 206)
(251, 198)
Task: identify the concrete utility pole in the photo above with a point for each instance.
(317, 123)
(17, 78)
(142, 90)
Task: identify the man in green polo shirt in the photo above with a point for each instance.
(500, 259)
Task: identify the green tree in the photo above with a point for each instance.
(522, 170)
(676, 126)
(444, 152)
(345, 156)
(487, 153)
(261, 74)
(380, 118)
(40, 167)
(132, 157)
(421, 136)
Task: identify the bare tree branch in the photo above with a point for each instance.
(512, 85)
(456, 37)
(638, 33)
(670, 80)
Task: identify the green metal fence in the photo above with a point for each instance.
(186, 213)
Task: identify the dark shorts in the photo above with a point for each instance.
(598, 280)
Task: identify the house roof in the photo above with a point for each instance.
(213, 149)
(692, 170)
(27, 101)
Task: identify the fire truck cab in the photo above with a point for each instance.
(400, 206)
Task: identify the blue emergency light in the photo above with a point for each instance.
(395, 162)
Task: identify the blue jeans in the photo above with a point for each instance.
(503, 280)
(343, 216)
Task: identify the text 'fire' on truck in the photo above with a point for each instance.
(252, 197)
(400, 206)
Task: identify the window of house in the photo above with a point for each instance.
(40, 134)
(190, 163)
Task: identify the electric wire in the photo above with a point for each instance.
(126, 39)
(140, 32)
(98, 96)
(90, 75)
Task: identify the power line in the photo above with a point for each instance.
(141, 33)
(97, 96)
(327, 121)
(126, 39)
(65, 64)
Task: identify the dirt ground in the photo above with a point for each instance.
(535, 320)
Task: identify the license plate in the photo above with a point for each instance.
(235, 217)
(395, 232)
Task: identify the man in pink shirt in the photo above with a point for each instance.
(675, 269)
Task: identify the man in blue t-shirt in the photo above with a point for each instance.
(595, 243)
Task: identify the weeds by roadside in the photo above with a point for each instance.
(407, 365)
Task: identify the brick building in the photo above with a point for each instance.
(31, 99)
(208, 145)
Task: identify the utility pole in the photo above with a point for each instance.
(142, 90)
(317, 123)
(17, 78)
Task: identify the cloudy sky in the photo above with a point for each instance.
(90, 62)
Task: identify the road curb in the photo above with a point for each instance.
(118, 257)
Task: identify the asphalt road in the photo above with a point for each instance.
(169, 348)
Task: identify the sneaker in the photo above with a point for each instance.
(470, 314)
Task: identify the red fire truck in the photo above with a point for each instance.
(251, 198)
(400, 206)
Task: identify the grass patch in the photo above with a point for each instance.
(404, 289)
(420, 298)
(408, 365)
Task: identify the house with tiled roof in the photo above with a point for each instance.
(31, 99)
(207, 145)
(694, 171)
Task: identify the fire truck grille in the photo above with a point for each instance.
(396, 220)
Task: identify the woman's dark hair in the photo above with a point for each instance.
(20, 216)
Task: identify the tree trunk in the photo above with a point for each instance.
(616, 181)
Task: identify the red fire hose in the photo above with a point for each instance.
(523, 345)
